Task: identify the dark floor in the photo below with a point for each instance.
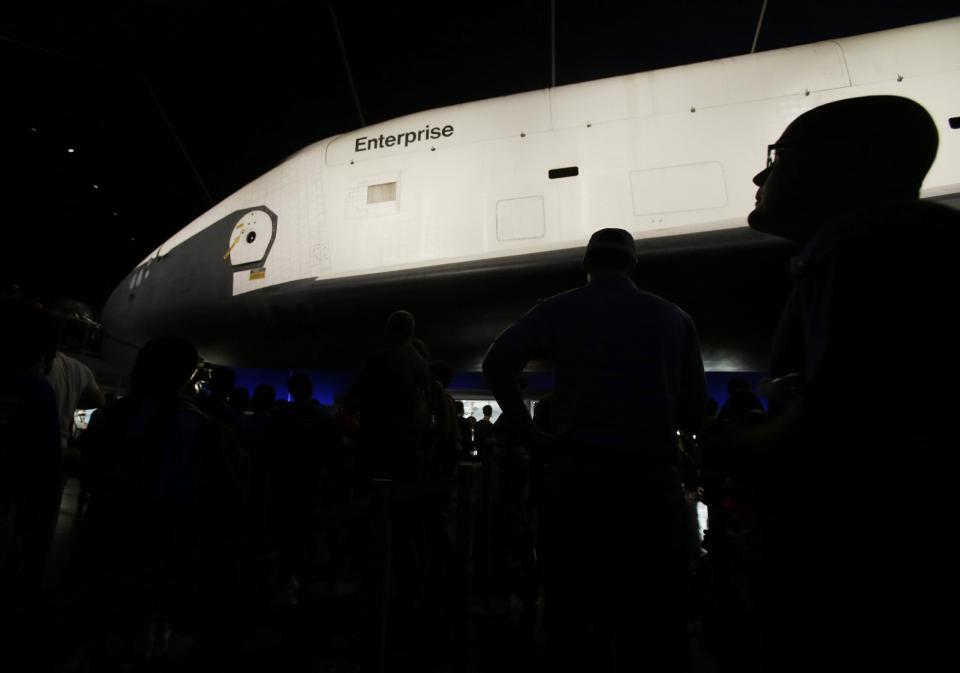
(314, 626)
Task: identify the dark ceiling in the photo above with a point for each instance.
(169, 107)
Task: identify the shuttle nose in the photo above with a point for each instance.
(119, 341)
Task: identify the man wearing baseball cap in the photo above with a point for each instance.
(629, 375)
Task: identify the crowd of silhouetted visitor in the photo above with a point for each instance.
(197, 496)
(406, 534)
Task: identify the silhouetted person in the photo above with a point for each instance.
(742, 406)
(304, 459)
(29, 454)
(75, 388)
(392, 399)
(466, 431)
(264, 399)
(859, 489)
(512, 543)
(483, 430)
(256, 441)
(432, 513)
(262, 409)
(445, 445)
(615, 524)
(164, 499)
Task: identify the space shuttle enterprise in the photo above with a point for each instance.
(466, 215)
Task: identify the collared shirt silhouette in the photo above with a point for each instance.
(628, 366)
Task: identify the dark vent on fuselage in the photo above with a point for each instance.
(568, 172)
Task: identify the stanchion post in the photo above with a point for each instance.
(466, 480)
(465, 524)
(382, 498)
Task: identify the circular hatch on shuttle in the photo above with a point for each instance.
(250, 239)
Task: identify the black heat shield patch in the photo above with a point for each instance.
(244, 246)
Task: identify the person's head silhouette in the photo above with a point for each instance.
(264, 398)
(738, 384)
(239, 398)
(163, 367)
(841, 157)
(222, 382)
(300, 387)
(610, 251)
(400, 327)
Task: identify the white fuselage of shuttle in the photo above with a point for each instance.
(661, 153)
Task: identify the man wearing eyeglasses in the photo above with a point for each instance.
(865, 370)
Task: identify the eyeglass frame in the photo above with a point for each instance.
(772, 152)
(772, 149)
